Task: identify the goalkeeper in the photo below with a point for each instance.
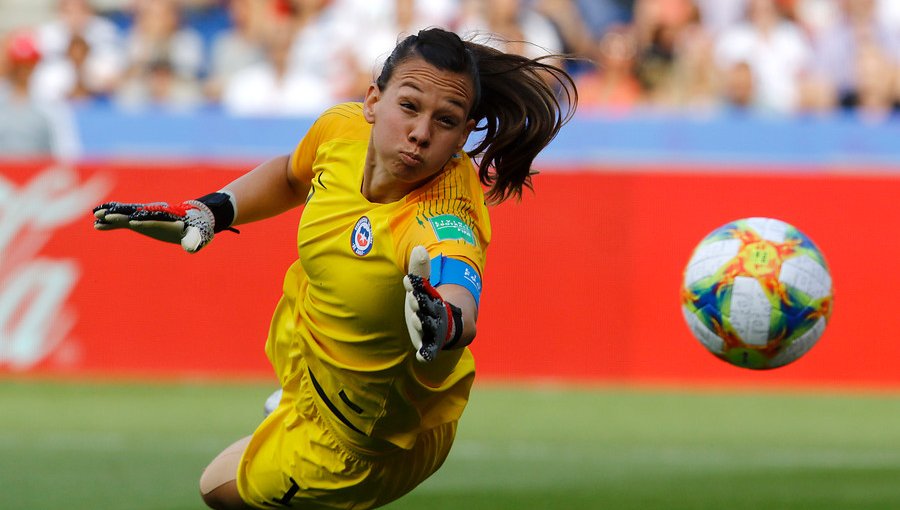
(369, 338)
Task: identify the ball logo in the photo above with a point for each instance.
(757, 293)
(361, 238)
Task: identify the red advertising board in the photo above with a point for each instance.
(584, 275)
(113, 303)
(582, 281)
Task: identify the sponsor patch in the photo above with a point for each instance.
(361, 239)
(448, 227)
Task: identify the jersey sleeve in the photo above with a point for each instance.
(454, 227)
(331, 124)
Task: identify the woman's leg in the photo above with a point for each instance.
(217, 483)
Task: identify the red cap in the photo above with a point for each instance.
(22, 48)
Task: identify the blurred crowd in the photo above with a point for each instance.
(296, 57)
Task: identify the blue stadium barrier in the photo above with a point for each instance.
(643, 139)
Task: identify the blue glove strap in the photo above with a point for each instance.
(446, 270)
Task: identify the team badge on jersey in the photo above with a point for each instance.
(361, 238)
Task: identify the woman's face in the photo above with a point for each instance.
(418, 121)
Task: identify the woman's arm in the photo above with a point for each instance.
(267, 190)
(461, 297)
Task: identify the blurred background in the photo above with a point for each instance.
(125, 365)
(691, 114)
(65, 62)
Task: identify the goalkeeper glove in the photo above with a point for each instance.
(433, 323)
(191, 224)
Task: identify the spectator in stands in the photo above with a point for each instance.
(576, 36)
(695, 83)
(512, 26)
(738, 85)
(817, 91)
(381, 21)
(720, 15)
(874, 96)
(321, 49)
(159, 88)
(81, 52)
(658, 25)
(598, 15)
(29, 127)
(274, 86)
(817, 96)
(855, 31)
(612, 86)
(77, 18)
(816, 16)
(655, 17)
(73, 77)
(776, 50)
(78, 53)
(241, 45)
(158, 34)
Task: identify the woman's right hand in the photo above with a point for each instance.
(190, 224)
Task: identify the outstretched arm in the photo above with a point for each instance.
(437, 319)
(267, 190)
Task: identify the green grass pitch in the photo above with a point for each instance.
(130, 446)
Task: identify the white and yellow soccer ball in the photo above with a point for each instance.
(757, 293)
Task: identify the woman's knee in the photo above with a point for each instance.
(218, 485)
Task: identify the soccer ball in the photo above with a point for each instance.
(757, 293)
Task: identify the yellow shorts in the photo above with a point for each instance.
(301, 456)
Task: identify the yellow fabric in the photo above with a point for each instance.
(296, 459)
(341, 317)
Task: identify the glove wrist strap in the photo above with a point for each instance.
(221, 205)
(454, 332)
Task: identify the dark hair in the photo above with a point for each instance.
(516, 103)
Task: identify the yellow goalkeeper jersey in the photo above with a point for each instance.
(342, 309)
